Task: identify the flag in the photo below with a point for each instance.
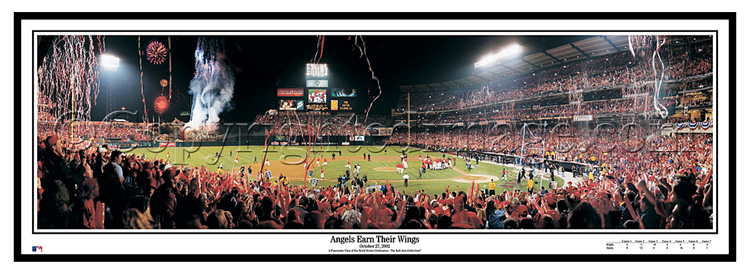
(268, 174)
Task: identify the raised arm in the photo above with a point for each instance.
(645, 193)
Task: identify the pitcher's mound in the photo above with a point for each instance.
(385, 169)
(478, 178)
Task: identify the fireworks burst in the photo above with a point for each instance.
(163, 83)
(161, 104)
(156, 52)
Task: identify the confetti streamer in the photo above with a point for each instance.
(68, 79)
(640, 46)
(140, 66)
(169, 43)
(363, 52)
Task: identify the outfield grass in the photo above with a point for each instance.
(288, 160)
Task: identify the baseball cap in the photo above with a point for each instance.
(51, 140)
(522, 209)
(90, 188)
(169, 174)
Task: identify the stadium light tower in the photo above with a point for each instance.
(110, 62)
(505, 53)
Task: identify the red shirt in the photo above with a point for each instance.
(468, 217)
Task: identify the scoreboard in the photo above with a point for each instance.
(317, 95)
(316, 85)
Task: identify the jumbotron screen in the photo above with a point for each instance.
(343, 92)
(316, 96)
(291, 105)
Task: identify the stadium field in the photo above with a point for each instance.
(289, 161)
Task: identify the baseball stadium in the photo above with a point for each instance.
(375, 132)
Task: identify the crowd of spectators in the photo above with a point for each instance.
(322, 125)
(697, 100)
(690, 85)
(620, 69)
(559, 146)
(666, 178)
(596, 108)
(85, 130)
(100, 188)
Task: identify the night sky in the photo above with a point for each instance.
(263, 63)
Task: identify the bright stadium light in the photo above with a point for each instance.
(110, 62)
(507, 52)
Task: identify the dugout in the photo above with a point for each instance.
(516, 159)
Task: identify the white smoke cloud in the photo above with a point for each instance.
(212, 86)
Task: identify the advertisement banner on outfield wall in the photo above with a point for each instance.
(384, 131)
(583, 118)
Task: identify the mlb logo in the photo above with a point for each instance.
(36, 249)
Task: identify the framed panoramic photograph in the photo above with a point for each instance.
(367, 136)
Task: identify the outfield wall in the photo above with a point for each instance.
(260, 141)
